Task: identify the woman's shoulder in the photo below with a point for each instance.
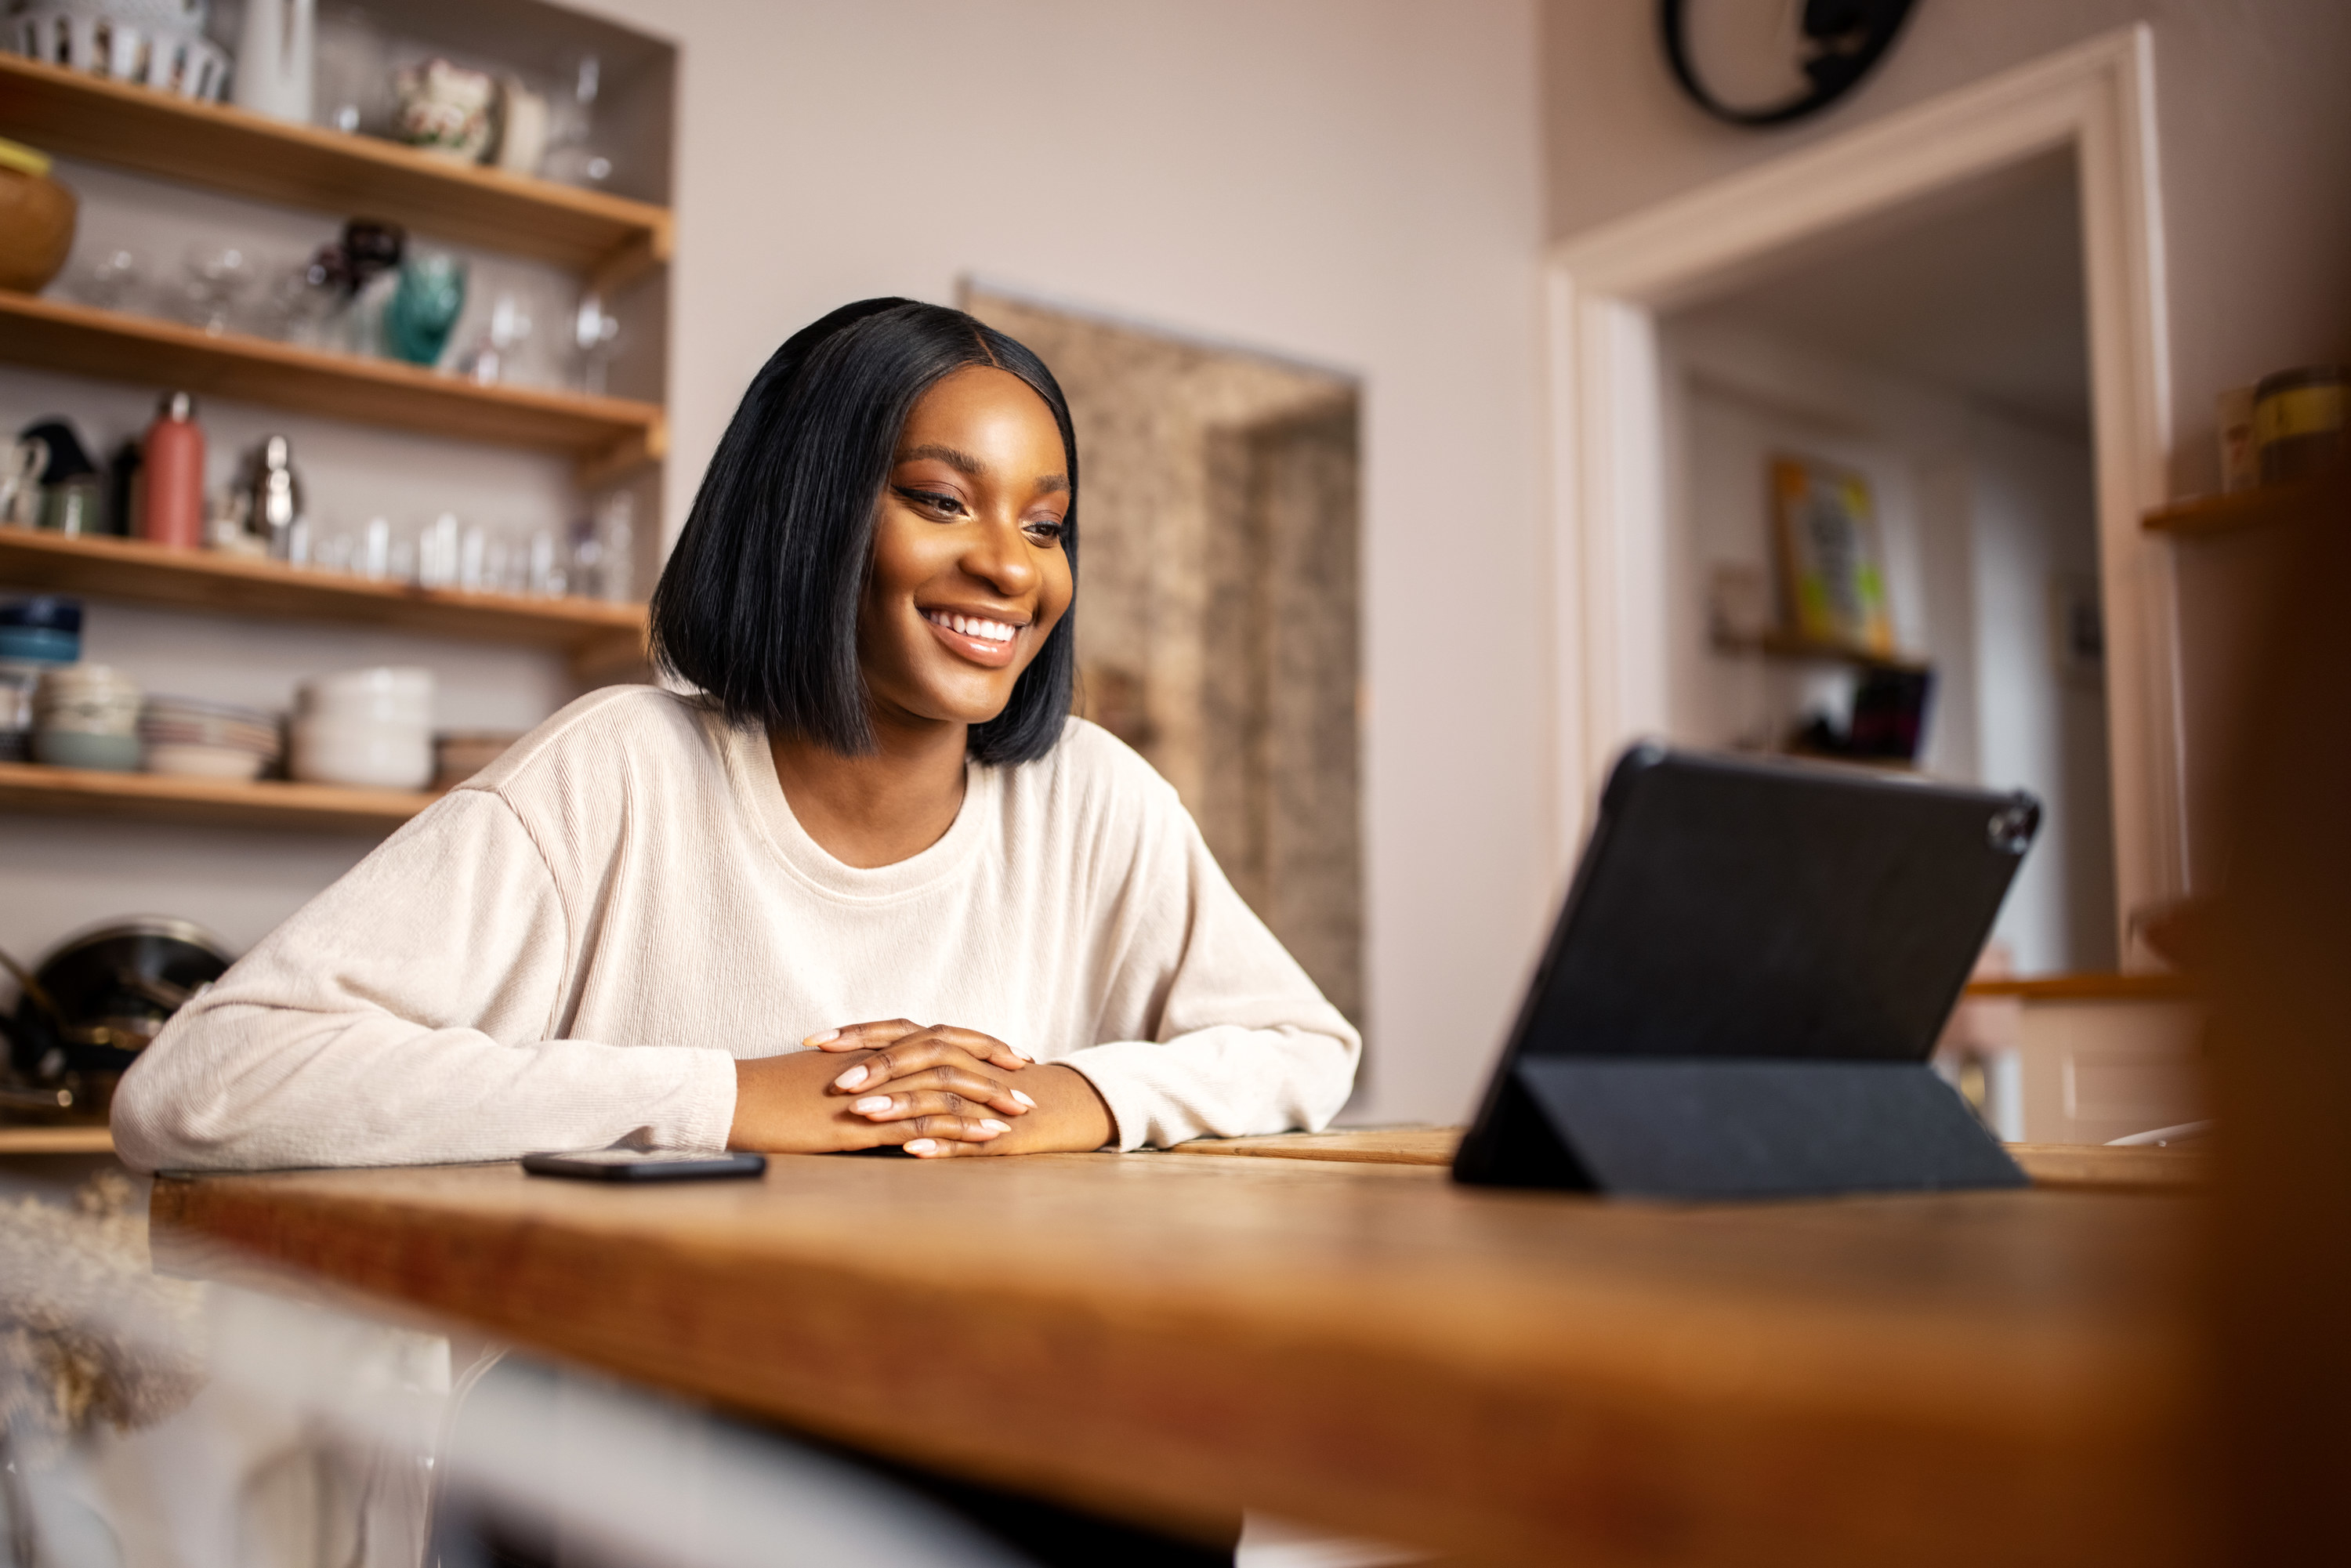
(652, 729)
(1093, 778)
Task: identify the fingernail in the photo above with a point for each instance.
(830, 1034)
(921, 1146)
(991, 1125)
(1024, 1099)
(851, 1079)
(873, 1103)
(1024, 1056)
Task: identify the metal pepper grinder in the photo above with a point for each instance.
(277, 514)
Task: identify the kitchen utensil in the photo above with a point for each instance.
(95, 1000)
(37, 220)
(368, 728)
(274, 512)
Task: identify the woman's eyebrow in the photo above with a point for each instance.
(961, 462)
(966, 464)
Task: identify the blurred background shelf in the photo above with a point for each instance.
(2228, 514)
(55, 1140)
(601, 638)
(1788, 645)
(611, 238)
(214, 802)
(607, 436)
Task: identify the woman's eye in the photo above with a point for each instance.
(1045, 531)
(933, 501)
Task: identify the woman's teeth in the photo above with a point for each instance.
(972, 626)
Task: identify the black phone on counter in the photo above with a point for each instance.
(644, 1164)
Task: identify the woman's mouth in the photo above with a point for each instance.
(979, 638)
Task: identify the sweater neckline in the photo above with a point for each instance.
(751, 771)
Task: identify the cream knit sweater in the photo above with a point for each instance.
(571, 949)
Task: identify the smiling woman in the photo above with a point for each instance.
(707, 918)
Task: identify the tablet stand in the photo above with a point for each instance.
(1722, 1127)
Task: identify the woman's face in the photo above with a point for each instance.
(968, 572)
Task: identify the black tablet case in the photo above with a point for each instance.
(1744, 985)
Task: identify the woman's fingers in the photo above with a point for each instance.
(864, 1036)
(936, 1133)
(915, 1054)
(977, 1088)
(889, 1031)
(898, 1107)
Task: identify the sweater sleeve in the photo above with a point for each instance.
(401, 1017)
(1244, 1041)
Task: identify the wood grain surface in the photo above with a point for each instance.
(30, 788)
(604, 433)
(1517, 1378)
(223, 584)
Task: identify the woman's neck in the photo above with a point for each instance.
(877, 810)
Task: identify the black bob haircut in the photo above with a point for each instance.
(758, 604)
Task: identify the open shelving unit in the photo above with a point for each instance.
(610, 243)
(212, 802)
(607, 437)
(611, 239)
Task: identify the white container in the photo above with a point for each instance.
(276, 54)
(386, 695)
(367, 756)
(204, 761)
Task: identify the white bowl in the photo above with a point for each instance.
(371, 756)
(204, 761)
(386, 694)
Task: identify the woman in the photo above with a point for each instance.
(633, 929)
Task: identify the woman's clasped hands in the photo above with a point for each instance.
(933, 1090)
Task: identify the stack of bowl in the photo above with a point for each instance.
(37, 635)
(86, 716)
(372, 728)
(195, 738)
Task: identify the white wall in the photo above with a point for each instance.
(1353, 183)
(1356, 185)
(1979, 512)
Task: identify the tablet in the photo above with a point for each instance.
(1745, 981)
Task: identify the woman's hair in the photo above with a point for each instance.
(758, 604)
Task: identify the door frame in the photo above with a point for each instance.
(1606, 288)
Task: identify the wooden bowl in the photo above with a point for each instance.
(36, 229)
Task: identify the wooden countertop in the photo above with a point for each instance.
(1519, 1378)
(2049, 1164)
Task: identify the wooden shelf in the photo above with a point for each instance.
(2233, 512)
(2150, 986)
(228, 149)
(212, 802)
(602, 639)
(1788, 645)
(608, 436)
(62, 1139)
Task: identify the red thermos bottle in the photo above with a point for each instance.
(171, 470)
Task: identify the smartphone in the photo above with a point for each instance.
(644, 1164)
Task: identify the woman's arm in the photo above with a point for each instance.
(1210, 1028)
(400, 1018)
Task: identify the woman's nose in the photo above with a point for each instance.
(999, 556)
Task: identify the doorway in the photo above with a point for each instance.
(1949, 319)
(1931, 370)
